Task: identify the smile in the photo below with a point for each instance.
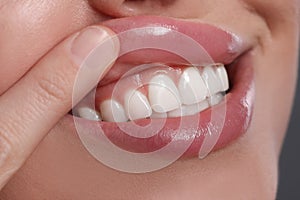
(168, 87)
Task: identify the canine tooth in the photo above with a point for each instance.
(88, 113)
(187, 110)
(211, 80)
(191, 86)
(113, 111)
(216, 99)
(163, 94)
(137, 105)
(222, 74)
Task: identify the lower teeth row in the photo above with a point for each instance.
(195, 91)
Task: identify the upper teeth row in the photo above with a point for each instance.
(196, 90)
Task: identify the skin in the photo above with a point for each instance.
(56, 166)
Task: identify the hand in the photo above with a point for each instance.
(31, 107)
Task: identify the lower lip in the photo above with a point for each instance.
(237, 117)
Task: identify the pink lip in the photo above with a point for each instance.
(223, 47)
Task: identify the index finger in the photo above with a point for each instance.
(36, 103)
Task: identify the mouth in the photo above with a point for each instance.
(149, 87)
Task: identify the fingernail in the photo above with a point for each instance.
(94, 50)
(92, 39)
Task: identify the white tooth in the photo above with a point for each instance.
(191, 86)
(187, 110)
(88, 113)
(212, 81)
(112, 111)
(216, 99)
(158, 115)
(222, 74)
(137, 105)
(163, 94)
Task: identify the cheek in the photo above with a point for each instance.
(276, 79)
(29, 29)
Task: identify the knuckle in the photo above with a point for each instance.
(52, 89)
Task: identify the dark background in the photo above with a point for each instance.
(289, 177)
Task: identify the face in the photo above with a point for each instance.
(61, 168)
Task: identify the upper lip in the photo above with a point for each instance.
(222, 46)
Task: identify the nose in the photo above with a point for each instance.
(123, 8)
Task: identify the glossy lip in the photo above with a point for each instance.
(226, 49)
(221, 45)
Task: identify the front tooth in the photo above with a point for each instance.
(212, 81)
(191, 86)
(187, 110)
(137, 105)
(222, 74)
(88, 113)
(113, 111)
(216, 99)
(163, 94)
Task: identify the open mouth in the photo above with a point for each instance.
(159, 91)
(168, 87)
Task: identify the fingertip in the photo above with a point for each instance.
(92, 37)
(94, 50)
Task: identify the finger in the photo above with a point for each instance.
(36, 103)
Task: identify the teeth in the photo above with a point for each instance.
(112, 111)
(222, 74)
(137, 105)
(187, 110)
(212, 81)
(88, 113)
(197, 90)
(216, 99)
(192, 87)
(163, 94)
